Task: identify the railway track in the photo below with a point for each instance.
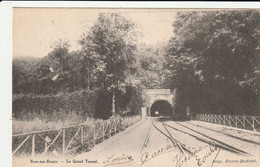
(233, 136)
(170, 132)
(175, 142)
(209, 140)
(146, 140)
(222, 137)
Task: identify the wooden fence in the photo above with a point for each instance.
(243, 122)
(72, 139)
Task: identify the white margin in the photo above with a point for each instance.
(6, 48)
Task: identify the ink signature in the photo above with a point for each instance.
(147, 156)
(181, 158)
(115, 160)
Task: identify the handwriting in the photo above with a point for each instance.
(148, 156)
(212, 148)
(115, 160)
(181, 158)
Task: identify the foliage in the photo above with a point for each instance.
(213, 61)
(23, 77)
(109, 48)
(37, 124)
(53, 107)
(108, 51)
(150, 62)
(129, 102)
(103, 104)
(60, 52)
(136, 101)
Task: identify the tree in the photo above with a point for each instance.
(24, 79)
(109, 47)
(219, 50)
(60, 52)
(150, 61)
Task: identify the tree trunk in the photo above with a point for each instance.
(113, 103)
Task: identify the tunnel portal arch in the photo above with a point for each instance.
(163, 97)
(161, 108)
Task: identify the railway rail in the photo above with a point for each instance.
(170, 131)
(233, 136)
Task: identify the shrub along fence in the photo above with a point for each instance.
(51, 107)
(74, 139)
(84, 103)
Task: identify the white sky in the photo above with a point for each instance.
(36, 29)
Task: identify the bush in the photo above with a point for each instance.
(76, 106)
(103, 105)
(136, 101)
(129, 102)
(39, 125)
(54, 107)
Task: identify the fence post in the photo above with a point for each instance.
(236, 120)
(63, 140)
(110, 125)
(33, 145)
(103, 129)
(253, 118)
(116, 126)
(244, 123)
(82, 136)
(120, 124)
(94, 135)
(123, 123)
(46, 144)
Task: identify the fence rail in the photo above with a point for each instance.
(70, 139)
(242, 122)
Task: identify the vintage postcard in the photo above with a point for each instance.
(139, 87)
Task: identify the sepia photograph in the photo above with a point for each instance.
(135, 87)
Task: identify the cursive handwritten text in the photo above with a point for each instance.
(115, 160)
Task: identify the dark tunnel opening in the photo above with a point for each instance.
(161, 108)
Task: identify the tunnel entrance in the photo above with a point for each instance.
(161, 108)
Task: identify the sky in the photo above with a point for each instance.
(36, 29)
